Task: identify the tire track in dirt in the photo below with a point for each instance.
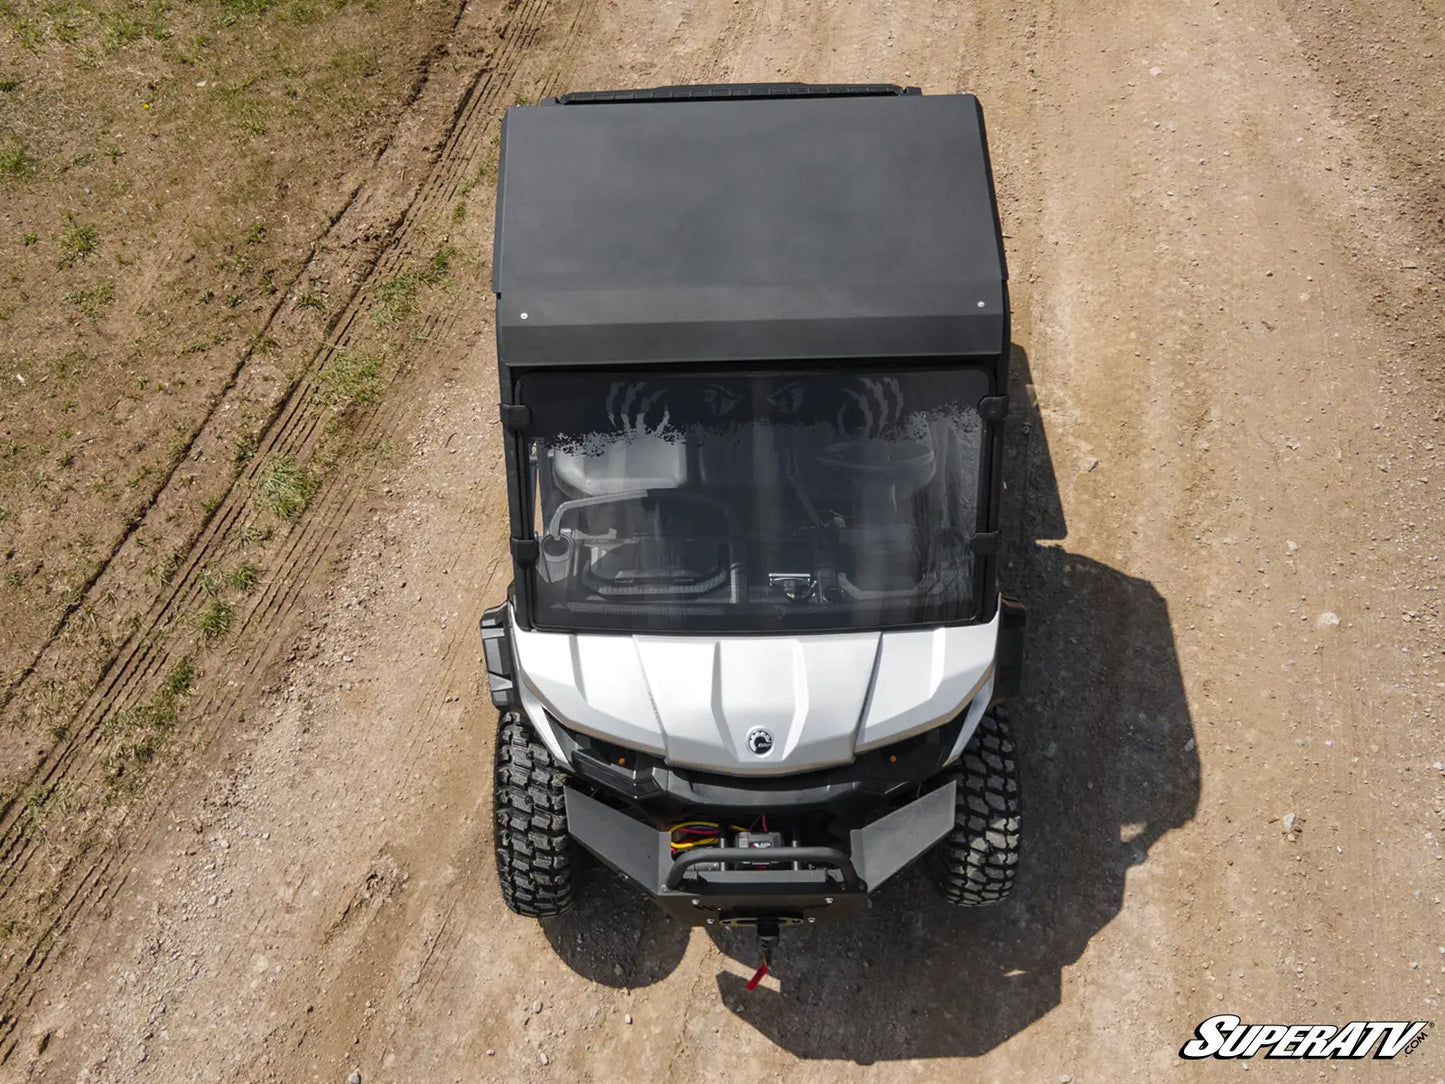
(296, 428)
(219, 401)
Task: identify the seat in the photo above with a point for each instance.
(624, 465)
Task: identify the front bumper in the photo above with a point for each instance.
(737, 886)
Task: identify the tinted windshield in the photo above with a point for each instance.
(762, 501)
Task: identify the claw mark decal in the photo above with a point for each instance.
(721, 401)
(872, 408)
(636, 412)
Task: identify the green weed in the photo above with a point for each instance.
(245, 576)
(44, 803)
(215, 620)
(235, 8)
(141, 731)
(396, 297)
(251, 535)
(180, 679)
(15, 159)
(286, 486)
(79, 241)
(243, 448)
(93, 298)
(352, 379)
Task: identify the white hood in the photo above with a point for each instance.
(694, 700)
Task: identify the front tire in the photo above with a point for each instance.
(534, 852)
(976, 863)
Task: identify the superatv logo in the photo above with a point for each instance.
(1227, 1036)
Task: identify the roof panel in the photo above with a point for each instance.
(745, 230)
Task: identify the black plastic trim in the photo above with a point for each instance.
(1012, 625)
(711, 92)
(645, 780)
(515, 416)
(497, 651)
(992, 408)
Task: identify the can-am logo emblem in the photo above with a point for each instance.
(760, 741)
(1226, 1036)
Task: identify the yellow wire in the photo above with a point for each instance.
(706, 841)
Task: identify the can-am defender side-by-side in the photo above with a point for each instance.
(753, 351)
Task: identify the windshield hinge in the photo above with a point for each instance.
(992, 408)
(525, 551)
(984, 543)
(516, 416)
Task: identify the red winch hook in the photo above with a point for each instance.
(758, 975)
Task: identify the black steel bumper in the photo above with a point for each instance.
(741, 886)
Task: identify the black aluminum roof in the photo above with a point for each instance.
(668, 229)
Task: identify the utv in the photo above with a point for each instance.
(753, 350)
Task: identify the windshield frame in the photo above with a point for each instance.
(636, 620)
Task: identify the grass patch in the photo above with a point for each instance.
(352, 379)
(244, 447)
(201, 346)
(245, 576)
(15, 160)
(44, 803)
(286, 486)
(158, 715)
(165, 571)
(396, 297)
(246, 106)
(252, 534)
(180, 679)
(79, 241)
(215, 620)
(93, 298)
(142, 730)
(233, 9)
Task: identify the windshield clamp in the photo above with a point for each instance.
(992, 408)
(984, 543)
(516, 415)
(525, 551)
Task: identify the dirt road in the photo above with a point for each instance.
(1223, 229)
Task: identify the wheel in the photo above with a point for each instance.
(976, 863)
(534, 852)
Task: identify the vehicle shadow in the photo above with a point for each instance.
(1108, 764)
(615, 935)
